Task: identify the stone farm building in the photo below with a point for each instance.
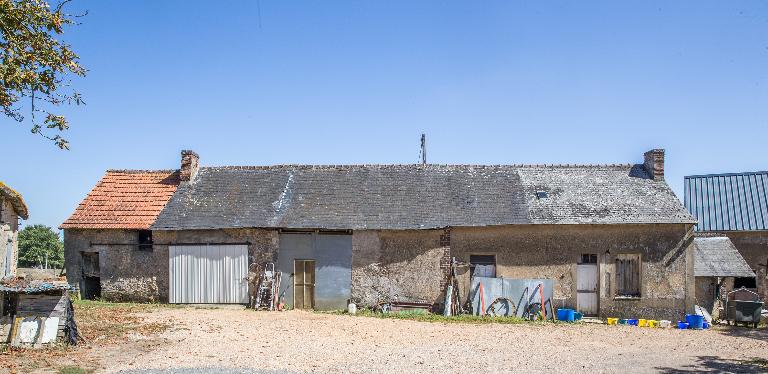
(12, 209)
(369, 233)
(734, 205)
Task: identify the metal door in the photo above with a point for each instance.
(332, 253)
(586, 289)
(304, 284)
(208, 274)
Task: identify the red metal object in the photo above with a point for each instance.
(482, 299)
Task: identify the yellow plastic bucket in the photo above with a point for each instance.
(613, 321)
(642, 322)
(653, 323)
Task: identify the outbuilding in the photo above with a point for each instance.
(33, 313)
(734, 205)
(717, 263)
(614, 238)
(12, 210)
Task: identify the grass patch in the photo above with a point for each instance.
(107, 321)
(74, 370)
(422, 316)
(24, 360)
(757, 362)
(99, 322)
(108, 304)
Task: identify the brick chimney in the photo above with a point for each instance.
(654, 164)
(189, 164)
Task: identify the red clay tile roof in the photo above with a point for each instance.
(16, 201)
(125, 199)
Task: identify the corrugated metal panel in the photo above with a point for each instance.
(208, 274)
(728, 202)
(522, 292)
(333, 273)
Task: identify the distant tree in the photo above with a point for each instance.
(38, 241)
(37, 67)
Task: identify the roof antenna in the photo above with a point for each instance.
(423, 149)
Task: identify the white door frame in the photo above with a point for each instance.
(582, 292)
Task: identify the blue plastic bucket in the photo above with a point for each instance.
(565, 315)
(706, 325)
(682, 325)
(577, 316)
(695, 321)
(632, 322)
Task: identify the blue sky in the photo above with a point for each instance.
(247, 83)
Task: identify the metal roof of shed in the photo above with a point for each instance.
(728, 202)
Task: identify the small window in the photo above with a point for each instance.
(541, 195)
(628, 275)
(588, 258)
(482, 266)
(145, 240)
(746, 282)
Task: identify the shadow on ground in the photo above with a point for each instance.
(760, 333)
(714, 364)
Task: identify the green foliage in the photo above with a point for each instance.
(36, 66)
(37, 241)
(74, 370)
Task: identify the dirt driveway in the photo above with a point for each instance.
(313, 342)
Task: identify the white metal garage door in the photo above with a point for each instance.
(208, 274)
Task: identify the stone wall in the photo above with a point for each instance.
(412, 265)
(8, 215)
(753, 246)
(706, 288)
(9, 235)
(553, 251)
(128, 273)
(399, 265)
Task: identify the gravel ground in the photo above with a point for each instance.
(244, 341)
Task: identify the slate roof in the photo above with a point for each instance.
(718, 257)
(16, 200)
(125, 199)
(728, 202)
(418, 197)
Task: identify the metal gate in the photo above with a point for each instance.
(586, 288)
(208, 274)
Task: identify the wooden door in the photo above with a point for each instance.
(304, 284)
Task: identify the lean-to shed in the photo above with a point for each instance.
(33, 313)
(717, 263)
